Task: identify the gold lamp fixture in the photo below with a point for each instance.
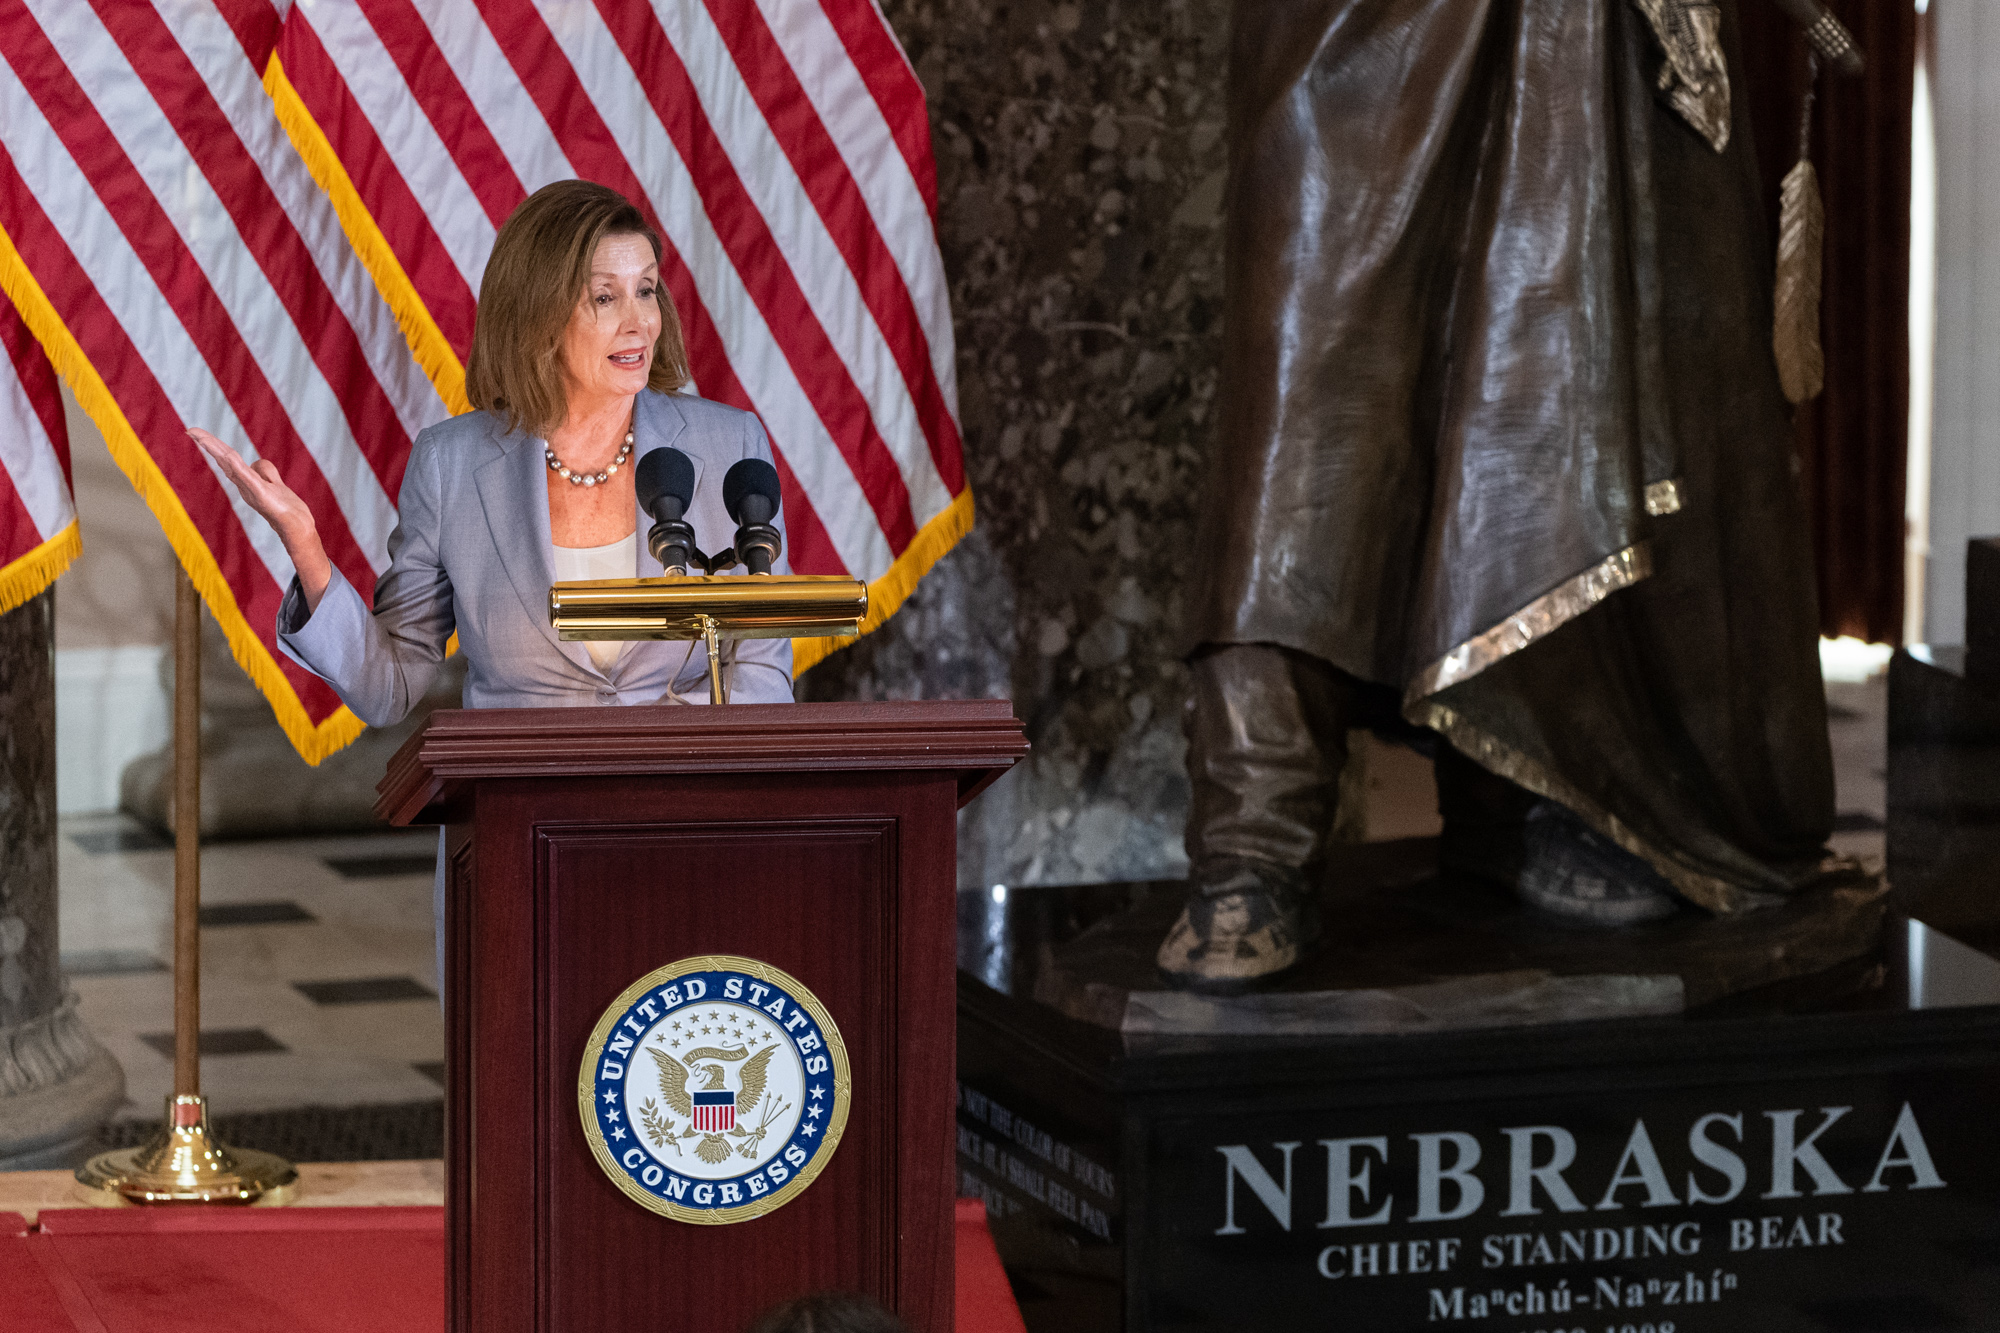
(710, 608)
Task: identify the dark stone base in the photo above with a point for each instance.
(1944, 791)
(1407, 950)
(1387, 1181)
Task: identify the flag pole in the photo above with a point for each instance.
(187, 837)
(184, 1162)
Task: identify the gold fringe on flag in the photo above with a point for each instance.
(887, 593)
(314, 742)
(427, 344)
(22, 579)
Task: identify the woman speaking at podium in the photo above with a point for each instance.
(576, 356)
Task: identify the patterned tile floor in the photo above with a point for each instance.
(318, 974)
(317, 966)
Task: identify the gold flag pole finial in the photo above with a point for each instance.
(185, 1162)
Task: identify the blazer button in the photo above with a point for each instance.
(607, 696)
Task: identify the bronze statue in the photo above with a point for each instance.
(1505, 458)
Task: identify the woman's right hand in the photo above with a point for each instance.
(265, 491)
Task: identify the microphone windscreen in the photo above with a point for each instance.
(748, 477)
(664, 472)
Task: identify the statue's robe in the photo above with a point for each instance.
(1501, 425)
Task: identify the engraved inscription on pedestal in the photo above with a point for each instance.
(1809, 1156)
(1014, 1165)
(1715, 1210)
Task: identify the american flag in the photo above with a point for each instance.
(782, 150)
(168, 248)
(38, 533)
(249, 216)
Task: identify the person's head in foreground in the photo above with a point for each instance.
(828, 1312)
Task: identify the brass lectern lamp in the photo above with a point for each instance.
(683, 605)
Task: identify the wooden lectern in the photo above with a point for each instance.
(586, 847)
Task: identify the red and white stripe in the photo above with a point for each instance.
(714, 1119)
(183, 254)
(37, 516)
(781, 147)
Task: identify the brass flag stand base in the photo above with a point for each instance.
(185, 1162)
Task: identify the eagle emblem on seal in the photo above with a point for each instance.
(712, 1110)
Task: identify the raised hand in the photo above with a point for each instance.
(265, 491)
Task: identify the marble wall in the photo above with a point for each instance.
(30, 984)
(1080, 179)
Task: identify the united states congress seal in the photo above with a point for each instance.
(714, 1089)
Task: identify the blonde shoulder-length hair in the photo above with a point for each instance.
(538, 274)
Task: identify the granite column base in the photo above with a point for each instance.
(57, 1085)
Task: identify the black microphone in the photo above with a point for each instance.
(665, 483)
(750, 493)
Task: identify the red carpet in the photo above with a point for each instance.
(304, 1270)
(985, 1302)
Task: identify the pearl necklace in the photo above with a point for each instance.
(561, 469)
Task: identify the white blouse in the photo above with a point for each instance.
(618, 560)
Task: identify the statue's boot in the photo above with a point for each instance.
(1267, 735)
(1557, 864)
(1576, 873)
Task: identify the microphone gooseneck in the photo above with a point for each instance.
(664, 481)
(751, 493)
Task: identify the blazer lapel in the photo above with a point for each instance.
(516, 500)
(657, 422)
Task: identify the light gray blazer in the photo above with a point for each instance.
(471, 552)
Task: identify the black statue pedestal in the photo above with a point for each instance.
(1408, 950)
(1491, 1153)
(1944, 787)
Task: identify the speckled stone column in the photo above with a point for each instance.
(1081, 165)
(56, 1083)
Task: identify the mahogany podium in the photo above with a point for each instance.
(586, 847)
